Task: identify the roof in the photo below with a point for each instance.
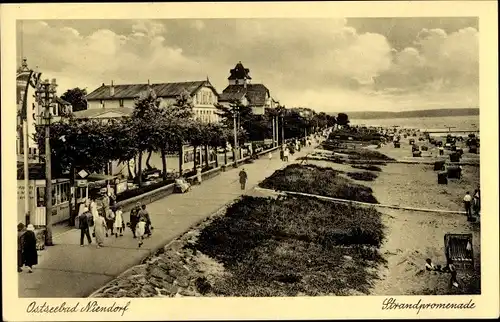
(161, 90)
(255, 93)
(96, 112)
(233, 92)
(239, 72)
(61, 101)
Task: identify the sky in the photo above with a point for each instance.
(330, 65)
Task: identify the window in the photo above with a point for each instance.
(53, 195)
(121, 103)
(40, 196)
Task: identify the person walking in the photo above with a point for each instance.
(467, 205)
(286, 153)
(110, 220)
(134, 218)
(140, 230)
(95, 213)
(20, 235)
(477, 203)
(30, 255)
(243, 178)
(270, 156)
(84, 225)
(198, 175)
(118, 224)
(144, 214)
(100, 230)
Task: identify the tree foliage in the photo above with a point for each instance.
(77, 98)
(343, 119)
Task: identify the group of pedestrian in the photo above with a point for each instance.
(472, 204)
(27, 254)
(108, 221)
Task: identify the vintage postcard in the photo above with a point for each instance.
(305, 160)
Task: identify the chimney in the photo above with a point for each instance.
(112, 89)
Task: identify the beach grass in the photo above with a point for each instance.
(362, 176)
(318, 180)
(293, 246)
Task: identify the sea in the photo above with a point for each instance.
(430, 124)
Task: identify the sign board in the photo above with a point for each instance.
(83, 174)
(81, 183)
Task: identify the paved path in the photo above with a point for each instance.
(68, 270)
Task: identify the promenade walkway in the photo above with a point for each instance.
(68, 270)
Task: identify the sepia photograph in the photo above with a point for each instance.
(249, 157)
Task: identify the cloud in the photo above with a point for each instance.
(322, 63)
(437, 62)
(104, 55)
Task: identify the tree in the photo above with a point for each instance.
(176, 122)
(146, 119)
(343, 119)
(196, 137)
(77, 97)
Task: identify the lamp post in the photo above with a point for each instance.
(235, 138)
(46, 93)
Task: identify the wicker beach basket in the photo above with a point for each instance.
(454, 172)
(459, 250)
(439, 165)
(442, 177)
(455, 157)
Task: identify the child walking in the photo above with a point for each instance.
(140, 230)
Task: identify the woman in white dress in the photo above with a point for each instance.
(94, 212)
(118, 224)
(100, 230)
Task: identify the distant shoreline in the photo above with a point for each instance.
(368, 115)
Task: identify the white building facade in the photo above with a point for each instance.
(120, 99)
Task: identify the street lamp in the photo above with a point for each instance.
(46, 93)
(235, 136)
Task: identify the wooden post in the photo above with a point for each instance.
(48, 178)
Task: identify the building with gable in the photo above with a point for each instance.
(112, 101)
(241, 89)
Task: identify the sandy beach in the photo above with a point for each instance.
(413, 236)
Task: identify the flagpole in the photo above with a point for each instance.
(26, 173)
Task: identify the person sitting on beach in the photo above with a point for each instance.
(429, 266)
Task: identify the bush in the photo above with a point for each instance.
(365, 135)
(367, 167)
(127, 194)
(317, 180)
(290, 245)
(357, 153)
(363, 176)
